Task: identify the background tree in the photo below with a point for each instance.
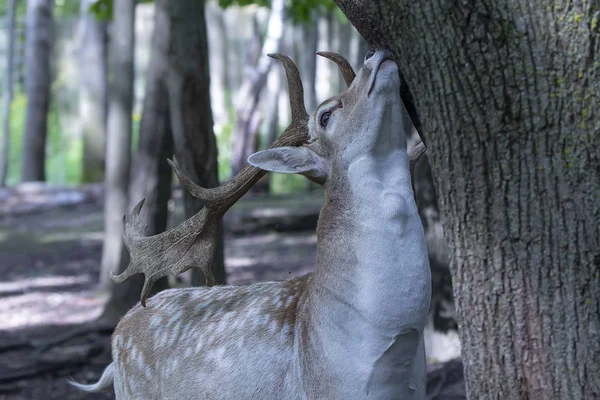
(307, 41)
(151, 176)
(248, 118)
(188, 82)
(38, 79)
(508, 94)
(177, 119)
(7, 89)
(118, 140)
(93, 103)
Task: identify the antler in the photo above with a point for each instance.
(193, 243)
(345, 67)
(349, 76)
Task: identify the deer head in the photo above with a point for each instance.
(305, 147)
(346, 126)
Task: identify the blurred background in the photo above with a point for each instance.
(96, 95)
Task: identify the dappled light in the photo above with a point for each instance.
(42, 284)
(48, 306)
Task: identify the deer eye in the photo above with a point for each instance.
(324, 119)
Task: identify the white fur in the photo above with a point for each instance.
(106, 380)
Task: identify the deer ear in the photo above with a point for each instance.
(291, 160)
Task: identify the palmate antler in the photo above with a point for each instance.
(193, 243)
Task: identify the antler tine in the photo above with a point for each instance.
(214, 197)
(193, 243)
(209, 197)
(344, 65)
(294, 87)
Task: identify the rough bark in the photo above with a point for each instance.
(188, 82)
(118, 140)
(7, 89)
(508, 96)
(248, 116)
(37, 86)
(93, 85)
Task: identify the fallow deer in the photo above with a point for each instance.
(353, 329)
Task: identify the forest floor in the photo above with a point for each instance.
(50, 249)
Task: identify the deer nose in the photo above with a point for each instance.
(374, 57)
(380, 53)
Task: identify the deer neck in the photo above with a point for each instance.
(371, 287)
(372, 253)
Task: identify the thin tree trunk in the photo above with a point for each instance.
(7, 89)
(308, 42)
(188, 81)
(220, 42)
(93, 103)
(118, 141)
(509, 98)
(252, 87)
(38, 80)
(151, 174)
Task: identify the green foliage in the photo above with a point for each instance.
(63, 153)
(21, 8)
(241, 3)
(103, 9)
(224, 141)
(66, 8)
(298, 10)
(285, 183)
(17, 127)
(136, 121)
(62, 8)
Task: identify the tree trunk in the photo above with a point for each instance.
(308, 40)
(188, 82)
(37, 63)
(7, 90)
(248, 118)
(93, 103)
(220, 42)
(151, 174)
(118, 140)
(509, 99)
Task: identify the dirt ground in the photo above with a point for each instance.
(49, 266)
